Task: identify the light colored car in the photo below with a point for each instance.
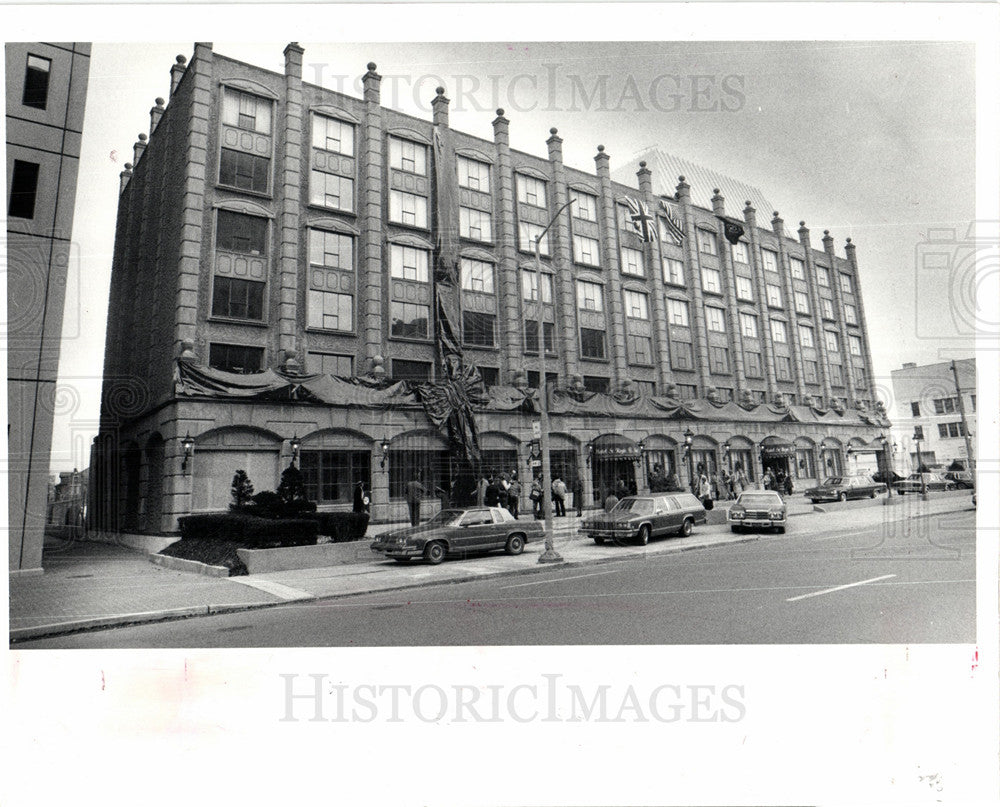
(639, 518)
(758, 509)
(842, 488)
(931, 481)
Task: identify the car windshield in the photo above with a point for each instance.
(638, 506)
(446, 516)
(758, 500)
(834, 480)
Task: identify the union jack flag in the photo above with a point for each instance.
(673, 224)
(642, 222)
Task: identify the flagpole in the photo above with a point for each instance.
(549, 555)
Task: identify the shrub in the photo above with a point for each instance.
(242, 489)
(214, 553)
(291, 488)
(248, 529)
(342, 527)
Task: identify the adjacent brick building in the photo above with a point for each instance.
(268, 225)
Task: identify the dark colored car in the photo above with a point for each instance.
(756, 509)
(962, 479)
(459, 531)
(913, 484)
(842, 488)
(892, 479)
(639, 518)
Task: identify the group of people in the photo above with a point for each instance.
(778, 481)
(558, 492)
(500, 490)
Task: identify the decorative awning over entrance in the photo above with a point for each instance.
(774, 448)
(615, 447)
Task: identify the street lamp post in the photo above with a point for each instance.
(688, 440)
(923, 480)
(549, 555)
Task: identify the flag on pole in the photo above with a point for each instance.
(672, 221)
(642, 221)
(733, 230)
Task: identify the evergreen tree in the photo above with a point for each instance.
(242, 488)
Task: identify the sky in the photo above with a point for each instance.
(871, 140)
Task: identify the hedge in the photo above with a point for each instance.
(250, 530)
(341, 527)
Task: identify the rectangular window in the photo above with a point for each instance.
(408, 208)
(490, 376)
(859, 378)
(718, 359)
(527, 233)
(477, 276)
(783, 368)
(707, 243)
(677, 312)
(636, 305)
(915, 408)
(811, 371)
(589, 296)
(778, 331)
(943, 429)
(585, 205)
(845, 284)
(972, 398)
(641, 349)
(596, 383)
(633, 262)
(741, 252)
(248, 172)
(336, 364)
(479, 329)
(409, 263)
(850, 314)
(409, 320)
(551, 379)
(330, 476)
(240, 299)
(405, 155)
(531, 336)
(711, 280)
(332, 250)
(748, 325)
(475, 224)
(36, 83)
(404, 370)
(681, 356)
(806, 336)
(687, 392)
(23, 189)
(673, 271)
(773, 295)
(725, 393)
(832, 342)
(645, 388)
(752, 365)
(798, 268)
(235, 358)
(329, 310)
(246, 111)
(827, 308)
(836, 375)
(237, 232)
(473, 174)
(823, 276)
(715, 319)
(591, 343)
(945, 406)
(770, 260)
(586, 250)
(918, 432)
(529, 287)
(801, 302)
(334, 135)
(744, 288)
(854, 344)
(330, 190)
(530, 191)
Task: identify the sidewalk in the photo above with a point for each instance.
(95, 585)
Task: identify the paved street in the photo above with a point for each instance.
(863, 581)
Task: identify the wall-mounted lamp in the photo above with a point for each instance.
(295, 443)
(590, 452)
(188, 445)
(641, 446)
(850, 450)
(384, 445)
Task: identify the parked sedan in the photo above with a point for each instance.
(757, 509)
(962, 479)
(913, 483)
(459, 531)
(639, 518)
(842, 488)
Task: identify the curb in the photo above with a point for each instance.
(191, 566)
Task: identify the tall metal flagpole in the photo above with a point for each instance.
(549, 555)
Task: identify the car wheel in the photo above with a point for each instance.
(843, 496)
(780, 530)
(644, 534)
(814, 501)
(434, 552)
(735, 528)
(515, 545)
(686, 527)
(871, 495)
(949, 487)
(598, 541)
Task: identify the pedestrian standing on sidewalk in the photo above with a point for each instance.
(492, 495)
(415, 491)
(514, 497)
(536, 497)
(578, 496)
(559, 497)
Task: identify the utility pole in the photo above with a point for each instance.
(965, 424)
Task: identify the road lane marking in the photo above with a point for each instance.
(560, 579)
(839, 588)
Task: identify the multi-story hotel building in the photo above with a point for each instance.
(930, 406)
(46, 95)
(271, 230)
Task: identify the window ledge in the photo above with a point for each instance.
(253, 323)
(416, 340)
(236, 189)
(331, 331)
(340, 210)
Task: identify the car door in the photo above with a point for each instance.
(661, 515)
(473, 531)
